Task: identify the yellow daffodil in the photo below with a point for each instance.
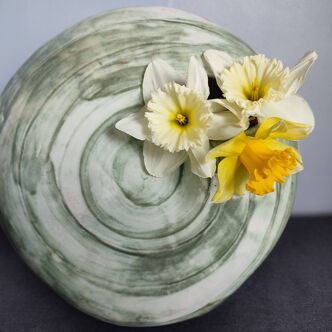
(254, 164)
(177, 120)
(256, 86)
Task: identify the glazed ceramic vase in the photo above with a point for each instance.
(76, 200)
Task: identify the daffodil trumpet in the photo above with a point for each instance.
(255, 86)
(255, 163)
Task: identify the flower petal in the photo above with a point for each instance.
(230, 148)
(279, 128)
(156, 75)
(226, 176)
(293, 108)
(224, 124)
(169, 106)
(298, 73)
(218, 61)
(218, 105)
(135, 125)
(277, 145)
(241, 179)
(197, 79)
(199, 165)
(160, 162)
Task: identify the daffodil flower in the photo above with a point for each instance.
(177, 121)
(258, 87)
(254, 164)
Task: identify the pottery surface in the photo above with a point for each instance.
(76, 201)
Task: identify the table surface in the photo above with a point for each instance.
(291, 291)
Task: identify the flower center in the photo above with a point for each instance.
(266, 166)
(253, 80)
(181, 119)
(255, 91)
(178, 118)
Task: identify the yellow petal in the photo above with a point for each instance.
(233, 147)
(276, 145)
(241, 179)
(226, 176)
(278, 128)
(268, 161)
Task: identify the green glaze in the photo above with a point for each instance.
(76, 200)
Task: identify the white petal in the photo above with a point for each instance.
(298, 73)
(197, 79)
(135, 125)
(218, 61)
(159, 162)
(217, 105)
(156, 75)
(199, 166)
(227, 120)
(293, 108)
(224, 125)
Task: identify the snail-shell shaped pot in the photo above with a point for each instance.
(76, 200)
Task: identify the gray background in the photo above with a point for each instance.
(283, 29)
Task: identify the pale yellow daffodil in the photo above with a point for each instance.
(256, 163)
(255, 86)
(177, 121)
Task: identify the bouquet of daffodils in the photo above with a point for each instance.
(178, 121)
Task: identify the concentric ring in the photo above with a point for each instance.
(77, 201)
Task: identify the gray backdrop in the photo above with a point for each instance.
(284, 29)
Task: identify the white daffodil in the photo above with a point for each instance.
(256, 86)
(177, 121)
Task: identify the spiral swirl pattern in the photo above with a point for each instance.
(77, 201)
